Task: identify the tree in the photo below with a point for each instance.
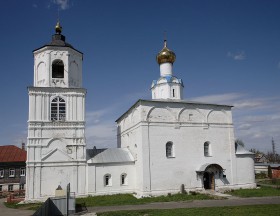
(256, 151)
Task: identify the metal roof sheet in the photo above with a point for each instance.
(110, 155)
(11, 153)
(241, 150)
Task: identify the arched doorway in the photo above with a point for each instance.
(209, 181)
(208, 174)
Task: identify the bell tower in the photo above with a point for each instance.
(167, 86)
(56, 145)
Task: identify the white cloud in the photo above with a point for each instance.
(227, 98)
(244, 126)
(240, 55)
(102, 135)
(101, 129)
(63, 4)
(256, 119)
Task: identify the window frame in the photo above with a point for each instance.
(12, 186)
(107, 180)
(2, 173)
(207, 149)
(21, 186)
(58, 109)
(12, 170)
(22, 171)
(124, 179)
(169, 150)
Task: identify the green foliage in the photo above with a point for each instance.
(260, 175)
(257, 210)
(256, 151)
(261, 192)
(129, 199)
(271, 181)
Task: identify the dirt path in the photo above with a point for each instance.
(13, 212)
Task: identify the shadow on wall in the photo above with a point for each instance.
(224, 180)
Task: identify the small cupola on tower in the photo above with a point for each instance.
(167, 86)
(58, 63)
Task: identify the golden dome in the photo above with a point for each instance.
(58, 28)
(166, 55)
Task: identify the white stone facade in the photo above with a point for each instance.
(149, 125)
(162, 143)
(56, 147)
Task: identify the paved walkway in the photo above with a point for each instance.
(234, 201)
(13, 212)
(191, 204)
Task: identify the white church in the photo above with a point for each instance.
(163, 144)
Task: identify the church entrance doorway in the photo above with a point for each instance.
(209, 181)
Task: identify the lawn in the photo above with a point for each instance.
(257, 210)
(29, 206)
(260, 192)
(129, 199)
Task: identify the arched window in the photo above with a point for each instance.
(58, 109)
(123, 179)
(207, 150)
(173, 92)
(169, 149)
(107, 180)
(57, 69)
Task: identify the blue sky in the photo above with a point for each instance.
(228, 51)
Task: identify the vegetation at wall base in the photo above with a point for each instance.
(270, 181)
(129, 199)
(29, 206)
(259, 192)
(257, 210)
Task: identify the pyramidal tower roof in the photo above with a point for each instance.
(58, 39)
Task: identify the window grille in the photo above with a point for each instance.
(58, 109)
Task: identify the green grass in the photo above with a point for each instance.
(129, 199)
(271, 181)
(261, 192)
(257, 210)
(29, 206)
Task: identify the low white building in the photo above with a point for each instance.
(163, 143)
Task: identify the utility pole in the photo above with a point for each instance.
(67, 199)
(273, 149)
